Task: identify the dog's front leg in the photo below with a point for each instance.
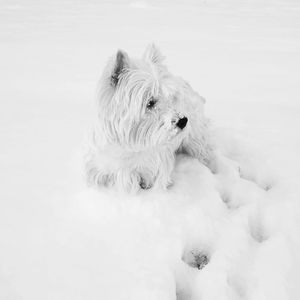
(131, 181)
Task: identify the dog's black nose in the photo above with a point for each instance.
(182, 122)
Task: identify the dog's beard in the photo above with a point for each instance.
(149, 133)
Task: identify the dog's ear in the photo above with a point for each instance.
(121, 63)
(153, 54)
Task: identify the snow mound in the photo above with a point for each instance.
(210, 236)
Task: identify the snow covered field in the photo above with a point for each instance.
(62, 240)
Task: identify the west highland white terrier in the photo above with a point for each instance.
(145, 117)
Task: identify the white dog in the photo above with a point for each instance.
(145, 116)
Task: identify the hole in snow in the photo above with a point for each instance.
(267, 187)
(258, 235)
(226, 198)
(196, 259)
(256, 230)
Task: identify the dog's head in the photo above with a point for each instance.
(141, 105)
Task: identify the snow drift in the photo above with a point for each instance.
(231, 235)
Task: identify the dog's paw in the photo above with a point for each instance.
(145, 184)
(98, 178)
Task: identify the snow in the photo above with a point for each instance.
(62, 240)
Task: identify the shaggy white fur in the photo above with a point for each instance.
(145, 116)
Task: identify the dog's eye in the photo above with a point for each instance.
(151, 103)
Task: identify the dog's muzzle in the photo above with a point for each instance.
(181, 123)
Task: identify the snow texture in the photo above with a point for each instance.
(231, 235)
